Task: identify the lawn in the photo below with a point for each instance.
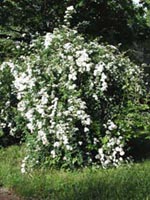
(127, 182)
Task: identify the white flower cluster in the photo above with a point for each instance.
(42, 137)
(110, 125)
(5, 64)
(23, 165)
(64, 130)
(48, 39)
(112, 152)
(68, 15)
(82, 61)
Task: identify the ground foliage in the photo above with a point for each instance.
(123, 183)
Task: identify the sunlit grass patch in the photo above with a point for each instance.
(126, 182)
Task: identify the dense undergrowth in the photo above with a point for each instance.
(124, 183)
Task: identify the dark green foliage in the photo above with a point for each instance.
(134, 122)
(117, 21)
(139, 148)
(28, 16)
(114, 20)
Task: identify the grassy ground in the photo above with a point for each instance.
(124, 183)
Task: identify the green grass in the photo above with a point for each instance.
(124, 183)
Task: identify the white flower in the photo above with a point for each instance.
(64, 158)
(65, 139)
(42, 136)
(71, 108)
(67, 46)
(40, 109)
(86, 129)
(39, 124)
(107, 162)
(23, 170)
(80, 142)
(104, 83)
(112, 141)
(103, 77)
(80, 62)
(120, 159)
(104, 86)
(82, 58)
(118, 149)
(30, 127)
(48, 39)
(100, 151)
(10, 64)
(66, 113)
(88, 121)
(95, 97)
(56, 144)
(98, 69)
(29, 114)
(21, 106)
(70, 8)
(44, 99)
(69, 148)
(88, 67)
(122, 153)
(70, 58)
(72, 76)
(82, 105)
(71, 87)
(53, 153)
(23, 165)
(79, 112)
(95, 141)
(112, 126)
(54, 107)
(97, 157)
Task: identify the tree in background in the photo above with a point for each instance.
(117, 21)
(146, 6)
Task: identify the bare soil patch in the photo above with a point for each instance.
(7, 195)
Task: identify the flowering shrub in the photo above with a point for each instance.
(69, 93)
(10, 121)
(8, 99)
